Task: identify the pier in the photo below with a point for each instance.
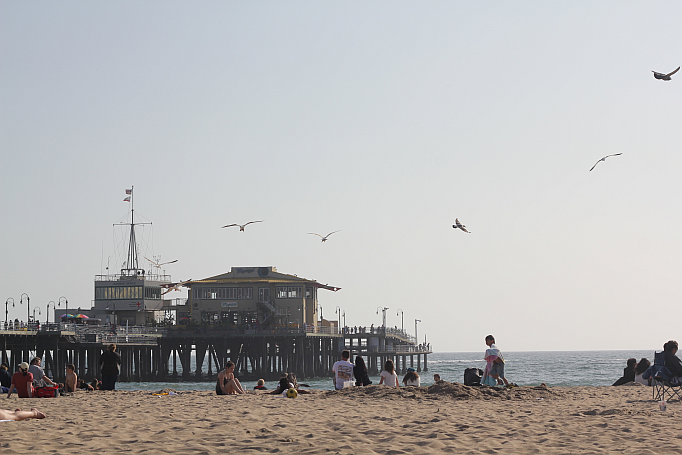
(180, 353)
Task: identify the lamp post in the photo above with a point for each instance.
(402, 319)
(319, 307)
(7, 303)
(416, 339)
(47, 316)
(28, 305)
(338, 316)
(66, 301)
(34, 313)
(383, 310)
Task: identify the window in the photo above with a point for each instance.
(222, 293)
(152, 293)
(288, 292)
(121, 292)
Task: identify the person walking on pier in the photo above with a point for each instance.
(343, 371)
(109, 363)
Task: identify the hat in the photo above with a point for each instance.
(23, 366)
(412, 370)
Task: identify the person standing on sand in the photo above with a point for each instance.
(227, 384)
(109, 363)
(343, 371)
(494, 367)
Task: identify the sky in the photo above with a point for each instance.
(385, 120)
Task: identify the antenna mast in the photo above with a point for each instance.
(132, 267)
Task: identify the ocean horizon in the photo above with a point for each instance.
(525, 368)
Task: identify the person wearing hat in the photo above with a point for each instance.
(411, 378)
(22, 381)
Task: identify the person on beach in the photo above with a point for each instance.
(672, 362)
(227, 384)
(360, 372)
(20, 415)
(494, 368)
(96, 384)
(343, 371)
(436, 378)
(5, 378)
(640, 369)
(389, 376)
(260, 385)
(628, 373)
(109, 363)
(82, 385)
(39, 376)
(411, 378)
(71, 381)
(22, 381)
(282, 386)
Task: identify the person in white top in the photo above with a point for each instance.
(411, 378)
(343, 372)
(389, 376)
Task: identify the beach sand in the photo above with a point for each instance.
(441, 418)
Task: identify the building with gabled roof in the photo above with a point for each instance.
(255, 297)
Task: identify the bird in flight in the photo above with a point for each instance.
(459, 225)
(158, 264)
(665, 77)
(324, 239)
(604, 159)
(174, 286)
(242, 226)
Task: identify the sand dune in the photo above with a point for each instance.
(441, 418)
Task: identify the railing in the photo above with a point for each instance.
(323, 330)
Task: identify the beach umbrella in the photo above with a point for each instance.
(82, 316)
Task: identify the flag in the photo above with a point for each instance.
(130, 191)
(127, 199)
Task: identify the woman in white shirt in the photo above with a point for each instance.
(411, 378)
(640, 369)
(389, 376)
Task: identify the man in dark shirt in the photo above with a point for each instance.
(109, 363)
(5, 377)
(672, 362)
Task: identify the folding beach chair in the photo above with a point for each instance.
(663, 388)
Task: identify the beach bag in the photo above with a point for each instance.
(472, 376)
(46, 392)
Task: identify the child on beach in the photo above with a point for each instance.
(71, 381)
(494, 367)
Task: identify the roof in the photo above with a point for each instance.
(272, 277)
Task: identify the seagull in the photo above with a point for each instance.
(459, 225)
(665, 77)
(159, 264)
(604, 159)
(324, 239)
(174, 286)
(242, 226)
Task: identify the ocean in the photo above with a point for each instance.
(554, 368)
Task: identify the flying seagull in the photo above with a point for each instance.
(324, 239)
(242, 226)
(459, 225)
(173, 286)
(158, 264)
(604, 159)
(665, 77)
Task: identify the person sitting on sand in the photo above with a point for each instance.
(343, 371)
(96, 384)
(71, 378)
(39, 376)
(260, 385)
(81, 384)
(411, 378)
(628, 373)
(640, 369)
(22, 381)
(494, 367)
(360, 372)
(227, 384)
(436, 378)
(389, 376)
(6, 416)
(5, 379)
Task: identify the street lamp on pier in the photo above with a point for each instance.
(47, 316)
(6, 312)
(28, 305)
(402, 319)
(66, 301)
(34, 312)
(319, 307)
(383, 310)
(338, 316)
(416, 338)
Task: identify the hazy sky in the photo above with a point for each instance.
(385, 120)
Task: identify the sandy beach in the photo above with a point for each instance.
(441, 418)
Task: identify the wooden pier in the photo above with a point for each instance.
(198, 354)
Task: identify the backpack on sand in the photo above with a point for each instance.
(472, 376)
